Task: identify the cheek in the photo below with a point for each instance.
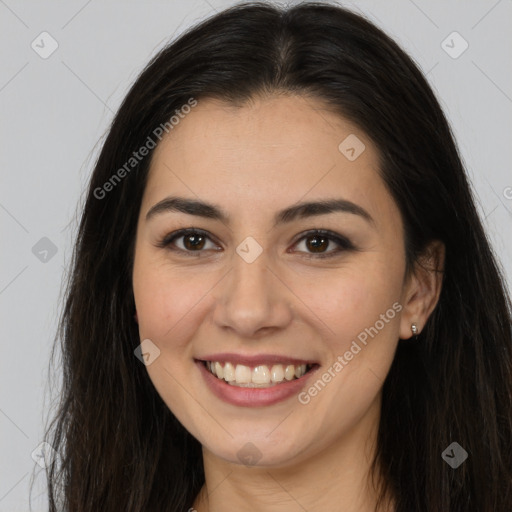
(168, 303)
(167, 300)
(351, 301)
(358, 309)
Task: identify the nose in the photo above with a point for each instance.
(253, 300)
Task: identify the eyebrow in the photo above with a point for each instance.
(298, 211)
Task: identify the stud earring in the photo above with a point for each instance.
(414, 329)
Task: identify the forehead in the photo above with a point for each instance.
(278, 149)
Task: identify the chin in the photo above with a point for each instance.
(259, 450)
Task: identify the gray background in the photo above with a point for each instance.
(55, 111)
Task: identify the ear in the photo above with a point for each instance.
(422, 288)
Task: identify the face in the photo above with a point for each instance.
(261, 290)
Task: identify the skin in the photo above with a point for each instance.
(253, 161)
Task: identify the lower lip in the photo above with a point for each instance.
(253, 397)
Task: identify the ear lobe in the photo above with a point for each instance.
(424, 288)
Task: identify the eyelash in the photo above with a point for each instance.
(343, 242)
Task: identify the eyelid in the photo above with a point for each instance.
(343, 242)
(169, 239)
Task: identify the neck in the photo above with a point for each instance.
(336, 478)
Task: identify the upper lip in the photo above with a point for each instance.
(254, 360)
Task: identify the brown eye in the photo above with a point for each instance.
(193, 241)
(316, 243)
(187, 241)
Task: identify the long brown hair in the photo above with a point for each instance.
(120, 447)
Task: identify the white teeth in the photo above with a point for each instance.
(259, 376)
(229, 372)
(289, 373)
(277, 373)
(219, 371)
(242, 374)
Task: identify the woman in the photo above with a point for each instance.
(282, 296)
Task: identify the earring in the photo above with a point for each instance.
(414, 329)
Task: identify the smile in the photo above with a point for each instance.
(260, 376)
(254, 380)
